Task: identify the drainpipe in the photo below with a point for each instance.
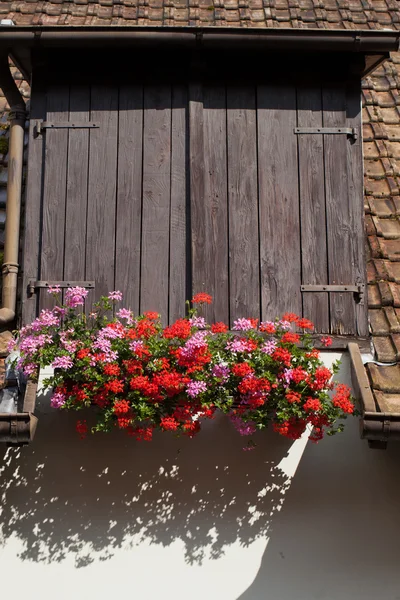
(14, 190)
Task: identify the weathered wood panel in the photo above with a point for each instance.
(77, 186)
(34, 190)
(156, 199)
(179, 278)
(100, 248)
(198, 212)
(129, 196)
(312, 207)
(339, 211)
(280, 252)
(244, 259)
(356, 200)
(216, 249)
(54, 190)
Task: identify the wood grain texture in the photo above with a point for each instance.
(77, 186)
(356, 200)
(216, 248)
(54, 191)
(129, 196)
(156, 200)
(198, 211)
(312, 207)
(34, 190)
(100, 247)
(244, 259)
(179, 263)
(339, 212)
(279, 201)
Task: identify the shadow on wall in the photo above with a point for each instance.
(63, 496)
(337, 535)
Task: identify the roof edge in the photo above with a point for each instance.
(365, 41)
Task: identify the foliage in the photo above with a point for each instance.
(139, 375)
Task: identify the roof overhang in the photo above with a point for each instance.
(374, 45)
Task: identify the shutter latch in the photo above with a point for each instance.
(41, 126)
(349, 131)
(34, 285)
(358, 289)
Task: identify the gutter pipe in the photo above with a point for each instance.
(207, 37)
(14, 190)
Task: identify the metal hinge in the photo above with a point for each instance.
(34, 285)
(358, 289)
(40, 126)
(349, 131)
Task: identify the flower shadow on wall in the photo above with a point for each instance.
(62, 496)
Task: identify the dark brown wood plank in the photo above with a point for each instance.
(338, 211)
(178, 281)
(244, 259)
(54, 191)
(100, 245)
(198, 209)
(216, 248)
(156, 200)
(129, 197)
(356, 199)
(279, 201)
(312, 207)
(77, 186)
(34, 190)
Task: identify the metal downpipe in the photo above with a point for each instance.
(14, 191)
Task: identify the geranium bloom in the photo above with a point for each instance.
(121, 407)
(57, 399)
(75, 296)
(202, 298)
(62, 362)
(290, 338)
(194, 388)
(312, 405)
(291, 317)
(116, 296)
(219, 327)
(54, 290)
(169, 424)
(242, 325)
(268, 327)
(221, 371)
(242, 369)
(198, 322)
(126, 314)
(326, 341)
(305, 324)
(342, 399)
(269, 347)
(180, 329)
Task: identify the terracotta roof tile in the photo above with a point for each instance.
(329, 14)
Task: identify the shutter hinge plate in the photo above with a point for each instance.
(358, 289)
(349, 131)
(41, 126)
(34, 285)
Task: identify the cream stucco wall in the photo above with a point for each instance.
(193, 519)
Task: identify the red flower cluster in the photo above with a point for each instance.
(141, 376)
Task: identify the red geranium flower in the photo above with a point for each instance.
(202, 298)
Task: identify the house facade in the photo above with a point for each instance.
(223, 156)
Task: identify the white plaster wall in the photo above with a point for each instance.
(198, 519)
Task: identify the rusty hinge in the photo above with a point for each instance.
(40, 126)
(358, 289)
(349, 131)
(34, 285)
